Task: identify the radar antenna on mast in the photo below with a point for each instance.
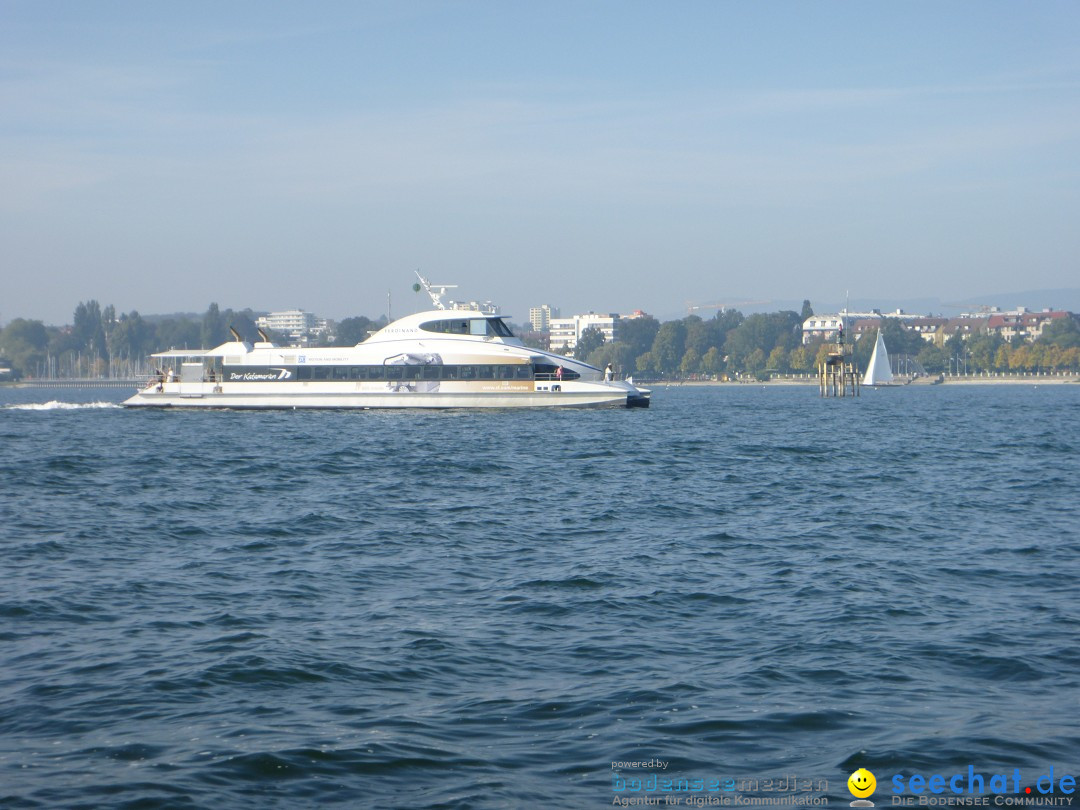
(435, 291)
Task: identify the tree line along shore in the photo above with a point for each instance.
(101, 343)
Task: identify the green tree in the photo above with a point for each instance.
(244, 324)
(1063, 332)
(215, 330)
(764, 332)
(983, 350)
(899, 340)
(807, 311)
(699, 336)
(932, 358)
(591, 339)
(721, 325)
(31, 334)
(1002, 358)
(616, 353)
(800, 359)
(955, 345)
(755, 361)
(176, 333)
(1070, 358)
(669, 346)
(1020, 358)
(23, 343)
(351, 331)
(691, 361)
(778, 359)
(638, 333)
(712, 362)
(131, 337)
(88, 329)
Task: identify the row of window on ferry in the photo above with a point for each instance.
(432, 372)
(483, 327)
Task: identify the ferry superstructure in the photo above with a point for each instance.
(441, 358)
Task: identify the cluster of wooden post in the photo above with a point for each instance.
(838, 375)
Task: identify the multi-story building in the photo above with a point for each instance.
(1022, 324)
(927, 327)
(858, 324)
(302, 328)
(565, 332)
(826, 327)
(540, 317)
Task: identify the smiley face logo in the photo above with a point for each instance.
(861, 783)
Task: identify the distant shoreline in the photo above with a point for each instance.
(974, 379)
(971, 380)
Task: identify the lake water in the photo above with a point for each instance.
(481, 610)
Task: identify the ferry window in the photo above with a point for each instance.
(303, 373)
(453, 327)
(485, 372)
(393, 372)
(450, 372)
(374, 372)
(478, 327)
(468, 372)
(506, 372)
(341, 372)
(522, 373)
(411, 372)
(356, 373)
(319, 372)
(496, 326)
(431, 372)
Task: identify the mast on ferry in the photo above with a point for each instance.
(434, 291)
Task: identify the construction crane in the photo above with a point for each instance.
(692, 308)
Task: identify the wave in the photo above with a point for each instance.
(56, 405)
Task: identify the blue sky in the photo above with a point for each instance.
(600, 155)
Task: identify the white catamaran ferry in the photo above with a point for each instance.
(444, 358)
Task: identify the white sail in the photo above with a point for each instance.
(878, 372)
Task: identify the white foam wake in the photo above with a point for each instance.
(56, 405)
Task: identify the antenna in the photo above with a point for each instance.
(435, 291)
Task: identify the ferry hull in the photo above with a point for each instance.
(610, 397)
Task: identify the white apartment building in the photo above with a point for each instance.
(300, 326)
(825, 327)
(565, 332)
(540, 317)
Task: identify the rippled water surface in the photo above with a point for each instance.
(473, 610)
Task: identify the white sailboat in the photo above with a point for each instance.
(878, 372)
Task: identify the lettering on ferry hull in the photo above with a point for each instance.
(258, 374)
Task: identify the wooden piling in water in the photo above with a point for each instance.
(838, 376)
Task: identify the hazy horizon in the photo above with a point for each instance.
(607, 156)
